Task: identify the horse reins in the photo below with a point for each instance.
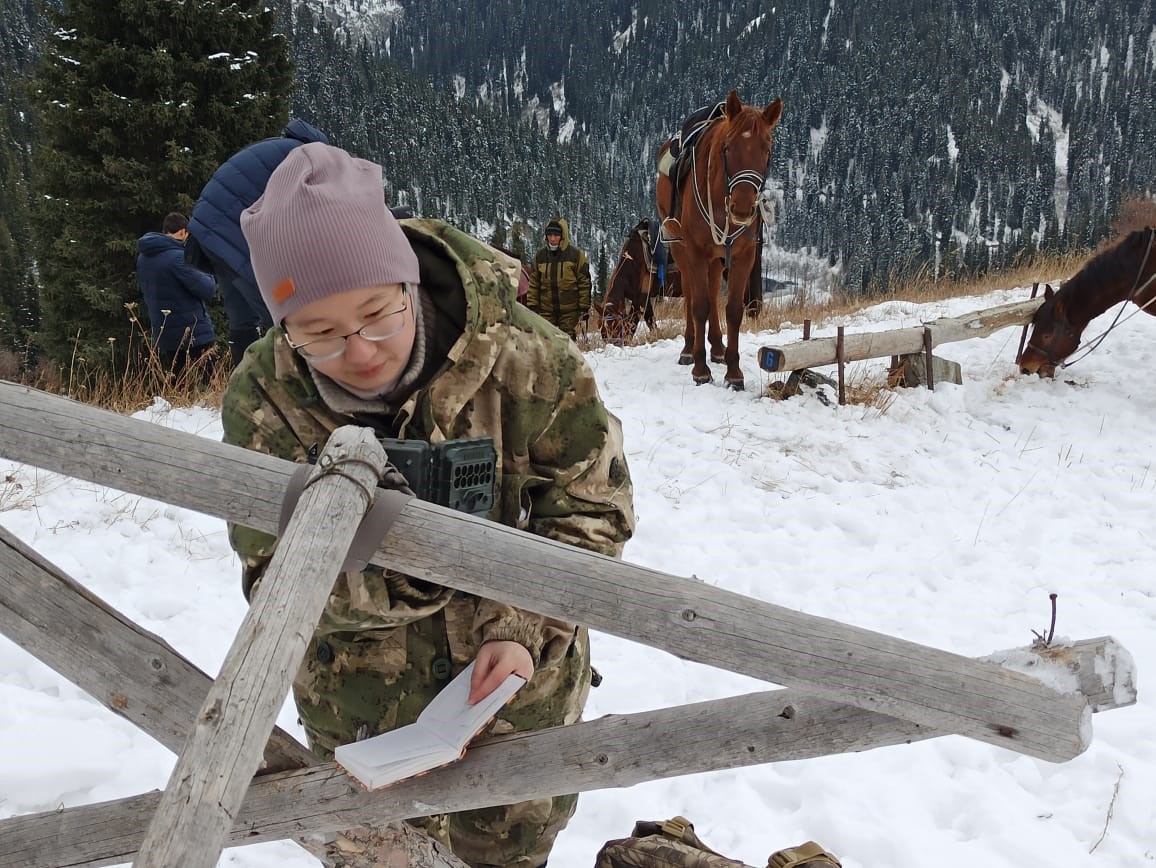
(722, 236)
(1137, 288)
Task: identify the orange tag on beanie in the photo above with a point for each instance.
(283, 291)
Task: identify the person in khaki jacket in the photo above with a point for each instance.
(560, 280)
(411, 328)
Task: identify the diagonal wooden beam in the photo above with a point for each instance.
(129, 670)
(223, 750)
(690, 619)
(613, 751)
(160, 691)
(153, 686)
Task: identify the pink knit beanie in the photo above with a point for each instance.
(322, 228)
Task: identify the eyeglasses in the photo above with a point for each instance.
(381, 328)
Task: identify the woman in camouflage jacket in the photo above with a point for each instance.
(411, 328)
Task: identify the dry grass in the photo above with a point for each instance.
(918, 289)
(862, 386)
(140, 378)
(134, 380)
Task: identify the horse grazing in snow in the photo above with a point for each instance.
(1124, 272)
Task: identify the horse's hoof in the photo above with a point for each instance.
(686, 359)
(717, 360)
(702, 381)
(737, 385)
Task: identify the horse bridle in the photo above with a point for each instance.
(723, 237)
(746, 176)
(1068, 331)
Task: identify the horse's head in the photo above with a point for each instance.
(746, 155)
(1052, 339)
(619, 322)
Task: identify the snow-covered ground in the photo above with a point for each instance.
(944, 518)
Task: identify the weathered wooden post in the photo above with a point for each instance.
(897, 691)
(129, 670)
(841, 358)
(929, 358)
(204, 794)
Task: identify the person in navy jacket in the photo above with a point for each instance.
(216, 244)
(175, 295)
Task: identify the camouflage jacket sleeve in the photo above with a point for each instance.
(576, 490)
(534, 287)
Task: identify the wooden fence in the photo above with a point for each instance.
(849, 689)
(896, 342)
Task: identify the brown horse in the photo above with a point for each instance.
(714, 223)
(1123, 272)
(633, 283)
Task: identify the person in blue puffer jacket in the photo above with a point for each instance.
(175, 295)
(216, 244)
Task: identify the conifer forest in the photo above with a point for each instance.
(935, 138)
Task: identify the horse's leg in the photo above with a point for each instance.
(736, 306)
(686, 357)
(631, 325)
(714, 332)
(696, 293)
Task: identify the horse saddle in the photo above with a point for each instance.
(675, 163)
(692, 127)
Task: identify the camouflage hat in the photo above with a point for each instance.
(321, 228)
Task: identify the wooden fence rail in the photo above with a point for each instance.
(688, 618)
(619, 750)
(855, 689)
(131, 672)
(897, 342)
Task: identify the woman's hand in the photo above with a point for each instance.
(494, 662)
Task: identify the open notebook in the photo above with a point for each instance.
(439, 735)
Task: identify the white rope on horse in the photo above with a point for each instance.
(721, 236)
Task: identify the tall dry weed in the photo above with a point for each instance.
(138, 377)
(134, 379)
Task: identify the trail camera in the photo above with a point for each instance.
(459, 474)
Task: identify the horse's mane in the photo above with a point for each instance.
(1112, 265)
(1102, 281)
